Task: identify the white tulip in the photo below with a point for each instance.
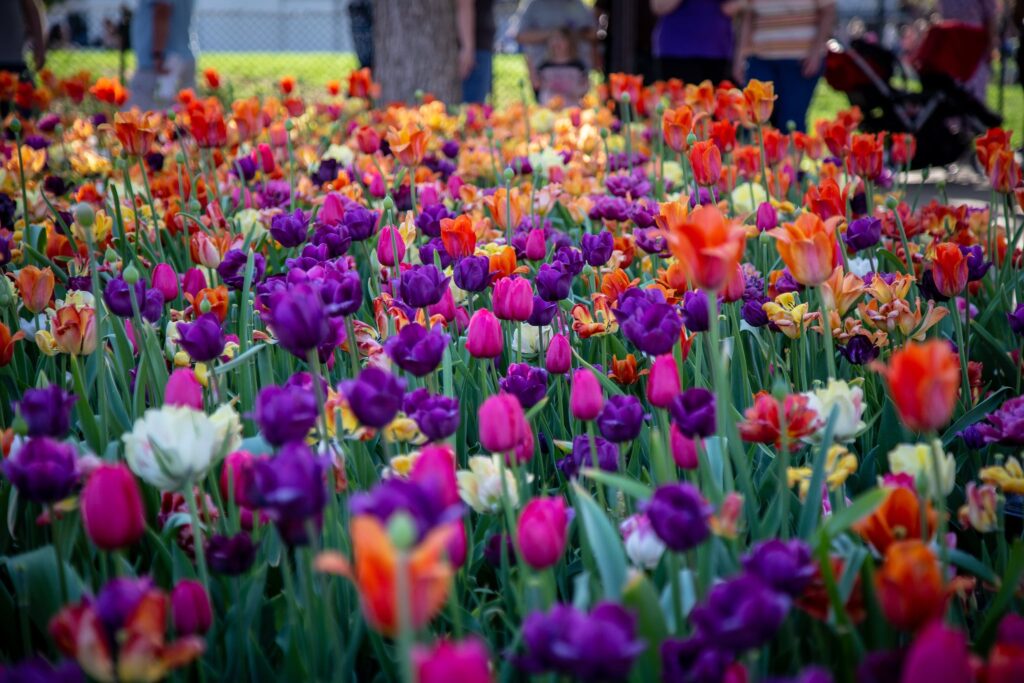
(171, 446)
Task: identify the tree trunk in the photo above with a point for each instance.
(415, 48)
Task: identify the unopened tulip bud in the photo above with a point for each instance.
(663, 381)
(190, 608)
(585, 399)
(402, 530)
(84, 214)
(131, 275)
(559, 356)
(111, 507)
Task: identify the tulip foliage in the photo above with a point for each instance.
(318, 388)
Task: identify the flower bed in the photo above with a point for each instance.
(639, 390)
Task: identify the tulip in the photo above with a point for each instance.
(558, 358)
(536, 247)
(289, 229)
(416, 349)
(458, 236)
(193, 282)
(684, 449)
(541, 532)
(36, 287)
(230, 555)
(464, 661)
(111, 506)
(472, 273)
(285, 413)
(390, 246)
(423, 286)
(643, 547)
(512, 299)
(190, 608)
(598, 248)
(621, 419)
(808, 248)
(46, 411)
(375, 396)
(7, 341)
(706, 244)
(910, 585)
(183, 389)
(693, 411)
(367, 139)
(502, 423)
(663, 381)
(585, 399)
(290, 489)
(484, 339)
(949, 269)
(43, 470)
(679, 515)
(676, 126)
(298, 319)
(924, 382)
(232, 268)
(165, 280)
(767, 217)
(706, 162)
(203, 339)
(760, 97)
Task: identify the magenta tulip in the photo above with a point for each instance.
(542, 531)
(111, 507)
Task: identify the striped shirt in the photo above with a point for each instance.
(784, 29)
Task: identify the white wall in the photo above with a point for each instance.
(248, 25)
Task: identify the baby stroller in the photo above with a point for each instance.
(943, 116)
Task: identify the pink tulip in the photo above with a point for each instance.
(111, 506)
(684, 449)
(190, 608)
(536, 247)
(435, 468)
(183, 389)
(502, 423)
(513, 298)
(541, 531)
(586, 398)
(464, 661)
(558, 359)
(389, 246)
(663, 382)
(484, 340)
(166, 281)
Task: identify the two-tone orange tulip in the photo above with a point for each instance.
(706, 162)
(7, 342)
(35, 286)
(408, 144)
(910, 585)
(706, 243)
(676, 126)
(924, 382)
(376, 572)
(808, 247)
(760, 97)
(136, 132)
(458, 236)
(74, 330)
(949, 269)
(898, 518)
(507, 207)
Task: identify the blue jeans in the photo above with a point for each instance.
(477, 85)
(794, 90)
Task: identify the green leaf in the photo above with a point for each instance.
(1011, 580)
(605, 543)
(974, 415)
(970, 563)
(630, 486)
(642, 598)
(860, 508)
(37, 583)
(812, 506)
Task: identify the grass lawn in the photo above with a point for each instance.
(250, 73)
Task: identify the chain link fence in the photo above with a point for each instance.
(251, 43)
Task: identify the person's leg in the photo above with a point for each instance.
(142, 88)
(477, 85)
(795, 93)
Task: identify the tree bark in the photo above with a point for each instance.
(415, 48)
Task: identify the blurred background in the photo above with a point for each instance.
(253, 43)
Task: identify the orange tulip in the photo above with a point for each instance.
(217, 297)
(898, 518)
(826, 199)
(760, 97)
(74, 330)
(924, 382)
(705, 243)
(624, 371)
(866, 155)
(136, 132)
(248, 118)
(212, 78)
(706, 162)
(408, 144)
(503, 263)
(910, 585)
(808, 247)
(625, 83)
(7, 342)
(428, 574)
(458, 236)
(360, 83)
(35, 286)
(287, 85)
(506, 205)
(761, 423)
(949, 269)
(676, 126)
(1003, 171)
(614, 283)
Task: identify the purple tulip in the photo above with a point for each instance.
(285, 413)
(863, 233)
(435, 247)
(694, 412)
(290, 489)
(597, 248)
(580, 457)
(341, 292)
(118, 296)
(526, 383)
(599, 646)
(118, 599)
(359, 222)
(38, 670)
(418, 500)
(621, 419)
(785, 566)
(753, 312)
(232, 268)
(571, 259)
(648, 320)
(298, 319)
(230, 555)
(43, 470)
(693, 660)
(375, 397)
(651, 241)
(422, 286)
(977, 266)
(47, 411)
(554, 282)
(429, 220)
(1016, 319)
(290, 229)
(695, 311)
(202, 339)
(416, 349)
(1005, 425)
(679, 515)
(859, 350)
(472, 273)
(741, 613)
(767, 217)
(334, 236)
(437, 416)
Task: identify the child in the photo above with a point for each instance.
(562, 74)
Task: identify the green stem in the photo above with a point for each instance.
(197, 535)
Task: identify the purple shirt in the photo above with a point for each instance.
(697, 28)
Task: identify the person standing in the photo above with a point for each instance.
(784, 41)
(693, 40)
(164, 61)
(540, 19)
(475, 23)
(21, 19)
